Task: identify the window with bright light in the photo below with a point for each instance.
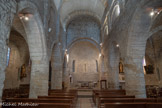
(144, 64)
(96, 65)
(73, 65)
(8, 56)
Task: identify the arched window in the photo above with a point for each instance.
(96, 66)
(115, 13)
(8, 56)
(73, 66)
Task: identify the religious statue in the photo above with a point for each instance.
(120, 67)
(70, 76)
(23, 71)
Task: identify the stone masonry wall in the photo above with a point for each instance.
(83, 27)
(7, 9)
(85, 67)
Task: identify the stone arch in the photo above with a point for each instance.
(139, 29)
(37, 47)
(83, 27)
(115, 12)
(84, 39)
(56, 62)
(85, 63)
(75, 14)
(18, 56)
(113, 60)
(155, 30)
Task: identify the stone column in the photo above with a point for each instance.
(113, 68)
(56, 80)
(3, 56)
(114, 80)
(39, 78)
(134, 77)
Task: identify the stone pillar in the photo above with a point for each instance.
(3, 56)
(134, 77)
(114, 78)
(113, 68)
(39, 78)
(56, 80)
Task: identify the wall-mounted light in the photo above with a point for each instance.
(49, 30)
(117, 45)
(101, 44)
(67, 56)
(152, 13)
(66, 51)
(24, 16)
(155, 11)
(100, 55)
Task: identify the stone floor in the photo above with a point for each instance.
(85, 103)
(85, 99)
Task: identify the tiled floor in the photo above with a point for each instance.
(85, 103)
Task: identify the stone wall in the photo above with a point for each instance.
(7, 9)
(130, 31)
(11, 74)
(119, 32)
(19, 55)
(82, 63)
(83, 27)
(153, 57)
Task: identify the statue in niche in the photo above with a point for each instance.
(23, 71)
(70, 77)
(120, 67)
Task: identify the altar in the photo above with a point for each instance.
(86, 84)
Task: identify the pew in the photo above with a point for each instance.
(74, 98)
(133, 105)
(125, 105)
(42, 105)
(63, 94)
(107, 92)
(102, 101)
(57, 97)
(111, 96)
(62, 91)
(21, 92)
(128, 100)
(39, 100)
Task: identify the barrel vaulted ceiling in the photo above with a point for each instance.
(66, 7)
